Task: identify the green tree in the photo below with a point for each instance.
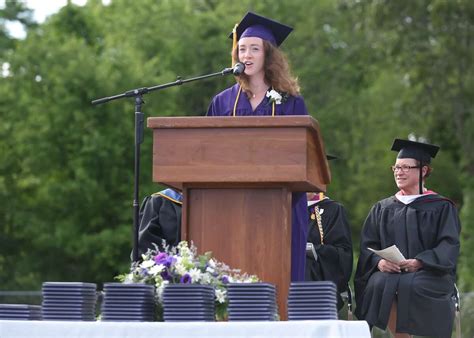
(13, 10)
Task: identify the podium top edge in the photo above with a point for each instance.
(286, 121)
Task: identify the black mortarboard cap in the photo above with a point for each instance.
(254, 25)
(411, 149)
(419, 151)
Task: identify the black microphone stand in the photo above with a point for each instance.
(139, 119)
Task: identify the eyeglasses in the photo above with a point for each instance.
(405, 168)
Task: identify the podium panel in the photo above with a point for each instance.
(248, 229)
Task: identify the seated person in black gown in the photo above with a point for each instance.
(411, 296)
(160, 219)
(330, 235)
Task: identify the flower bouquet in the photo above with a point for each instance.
(182, 264)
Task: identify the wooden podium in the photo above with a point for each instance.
(237, 175)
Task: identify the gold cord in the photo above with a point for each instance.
(320, 224)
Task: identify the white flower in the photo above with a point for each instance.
(184, 250)
(274, 96)
(156, 269)
(195, 275)
(251, 279)
(180, 268)
(220, 295)
(212, 263)
(205, 278)
(128, 278)
(147, 264)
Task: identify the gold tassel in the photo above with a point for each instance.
(234, 43)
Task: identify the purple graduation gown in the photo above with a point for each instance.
(223, 105)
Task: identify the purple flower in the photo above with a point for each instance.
(186, 279)
(225, 279)
(169, 261)
(161, 258)
(143, 272)
(165, 274)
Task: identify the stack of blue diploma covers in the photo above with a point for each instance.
(188, 302)
(128, 302)
(69, 301)
(20, 312)
(252, 301)
(312, 301)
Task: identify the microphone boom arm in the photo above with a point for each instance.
(178, 82)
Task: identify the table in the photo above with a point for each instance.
(70, 329)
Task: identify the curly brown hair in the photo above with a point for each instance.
(277, 71)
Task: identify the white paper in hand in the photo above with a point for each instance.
(391, 254)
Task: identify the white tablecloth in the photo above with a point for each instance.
(64, 329)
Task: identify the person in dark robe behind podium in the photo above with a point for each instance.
(160, 220)
(412, 296)
(266, 88)
(329, 247)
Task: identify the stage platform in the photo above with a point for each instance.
(63, 329)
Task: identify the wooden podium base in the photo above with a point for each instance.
(233, 222)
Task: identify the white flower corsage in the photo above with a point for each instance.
(274, 96)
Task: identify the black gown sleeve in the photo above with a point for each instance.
(368, 261)
(160, 220)
(443, 256)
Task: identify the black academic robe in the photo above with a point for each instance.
(334, 261)
(160, 219)
(426, 229)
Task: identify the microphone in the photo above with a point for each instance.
(238, 69)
